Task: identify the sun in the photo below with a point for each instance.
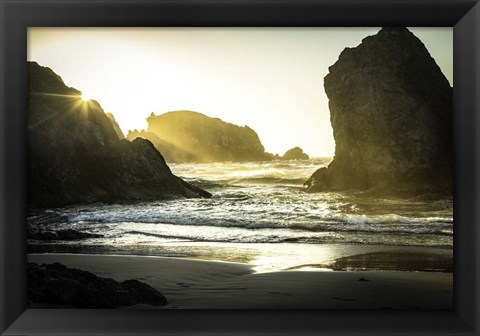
(85, 97)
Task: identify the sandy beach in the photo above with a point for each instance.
(197, 284)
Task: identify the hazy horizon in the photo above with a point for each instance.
(270, 79)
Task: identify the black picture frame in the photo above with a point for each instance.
(17, 15)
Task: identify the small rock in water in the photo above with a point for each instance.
(295, 153)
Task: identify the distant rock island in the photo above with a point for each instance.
(391, 112)
(296, 153)
(76, 155)
(187, 136)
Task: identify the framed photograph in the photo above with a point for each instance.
(237, 167)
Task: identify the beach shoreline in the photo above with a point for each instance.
(274, 257)
(206, 284)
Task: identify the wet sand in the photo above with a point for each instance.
(192, 284)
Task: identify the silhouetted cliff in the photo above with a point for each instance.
(391, 111)
(170, 152)
(75, 155)
(115, 125)
(186, 136)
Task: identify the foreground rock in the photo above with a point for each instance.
(295, 153)
(75, 155)
(186, 136)
(58, 284)
(391, 113)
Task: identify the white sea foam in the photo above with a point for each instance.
(265, 203)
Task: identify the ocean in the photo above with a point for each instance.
(256, 206)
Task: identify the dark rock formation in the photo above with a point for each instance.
(391, 110)
(271, 156)
(186, 136)
(69, 234)
(170, 152)
(295, 153)
(75, 155)
(58, 284)
(115, 125)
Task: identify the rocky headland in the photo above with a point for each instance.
(76, 155)
(187, 136)
(391, 110)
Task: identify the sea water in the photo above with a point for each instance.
(255, 204)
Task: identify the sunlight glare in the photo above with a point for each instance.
(85, 97)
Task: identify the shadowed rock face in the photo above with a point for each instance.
(186, 136)
(391, 111)
(76, 156)
(170, 152)
(115, 125)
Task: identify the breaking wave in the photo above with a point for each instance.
(262, 203)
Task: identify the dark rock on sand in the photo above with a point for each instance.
(59, 285)
(186, 136)
(295, 153)
(391, 111)
(75, 155)
(142, 293)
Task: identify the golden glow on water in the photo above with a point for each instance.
(267, 205)
(259, 215)
(265, 258)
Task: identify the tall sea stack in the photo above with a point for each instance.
(391, 110)
(76, 156)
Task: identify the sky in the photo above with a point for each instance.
(270, 79)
